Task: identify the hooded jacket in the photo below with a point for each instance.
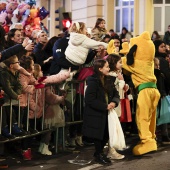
(78, 48)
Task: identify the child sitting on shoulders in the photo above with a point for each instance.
(79, 44)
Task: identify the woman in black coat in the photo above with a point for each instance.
(100, 97)
(160, 53)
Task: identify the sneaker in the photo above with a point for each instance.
(5, 133)
(27, 154)
(45, 150)
(114, 155)
(165, 140)
(17, 131)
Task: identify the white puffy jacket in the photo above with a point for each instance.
(78, 48)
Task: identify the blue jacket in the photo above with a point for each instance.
(5, 54)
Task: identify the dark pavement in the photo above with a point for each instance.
(152, 161)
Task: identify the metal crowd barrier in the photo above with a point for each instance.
(72, 86)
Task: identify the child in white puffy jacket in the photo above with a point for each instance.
(79, 44)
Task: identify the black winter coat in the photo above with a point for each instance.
(164, 68)
(160, 82)
(96, 112)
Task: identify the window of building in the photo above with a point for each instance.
(158, 1)
(161, 15)
(124, 15)
(167, 1)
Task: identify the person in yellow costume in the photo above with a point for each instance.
(140, 63)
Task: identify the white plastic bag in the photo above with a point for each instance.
(116, 136)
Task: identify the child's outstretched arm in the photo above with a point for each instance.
(92, 44)
(23, 71)
(57, 78)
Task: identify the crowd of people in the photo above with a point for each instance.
(30, 64)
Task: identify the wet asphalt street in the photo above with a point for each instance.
(159, 160)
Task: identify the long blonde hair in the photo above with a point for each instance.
(77, 27)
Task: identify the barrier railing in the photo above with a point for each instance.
(72, 86)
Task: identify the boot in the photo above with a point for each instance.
(40, 147)
(114, 155)
(79, 141)
(45, 150)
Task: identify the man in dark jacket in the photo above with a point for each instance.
(41, 57)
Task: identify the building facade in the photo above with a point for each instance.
(136, 15)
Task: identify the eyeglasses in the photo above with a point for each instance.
(16, 62)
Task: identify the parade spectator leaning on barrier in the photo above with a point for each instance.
(12, 88)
